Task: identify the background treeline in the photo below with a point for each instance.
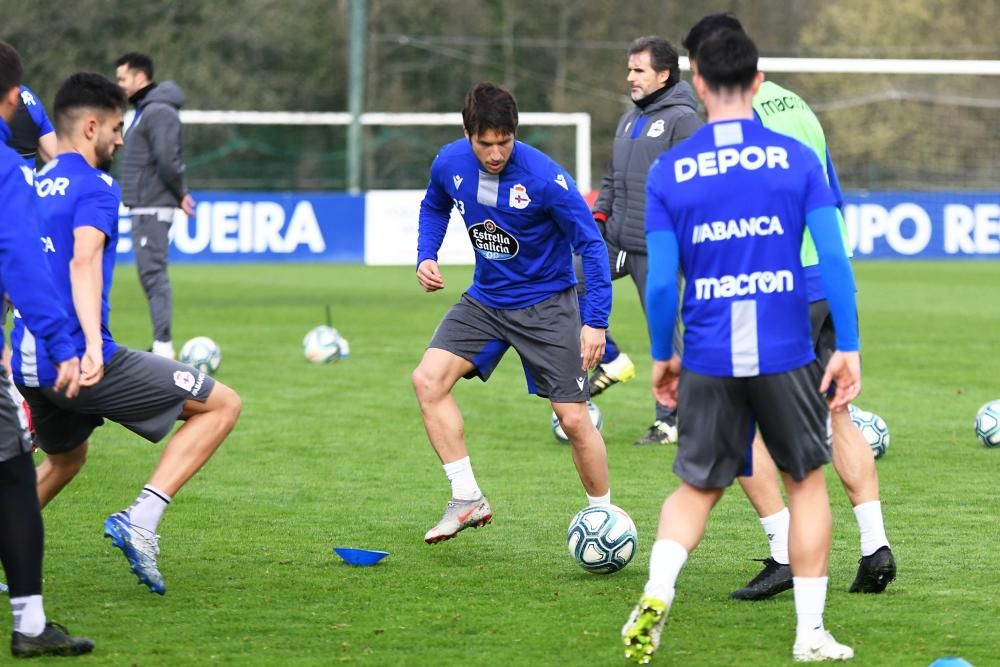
(885, 131)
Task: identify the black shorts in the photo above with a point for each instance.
(143, 392)
(717, 417)
(546, 336)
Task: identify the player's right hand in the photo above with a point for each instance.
(429, 276)
(68, 377)
(666, 378)
(843, 372)
(92, 366)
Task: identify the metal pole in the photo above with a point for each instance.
(356, 93)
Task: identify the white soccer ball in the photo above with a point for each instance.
(988, 424)
(323, 345)
(595, 418)
(602, 539)
(874, 428)
(202, 353)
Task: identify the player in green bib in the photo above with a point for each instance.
(783, 111)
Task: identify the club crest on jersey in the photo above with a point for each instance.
(519, 197)
(457, 180)
(561, 181)
(656, 129)
(184, 380)
(492, 242)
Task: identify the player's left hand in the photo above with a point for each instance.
(665, 380)
(843, 369)
(68, 377)
(91, 366)
(187, 205)
(592, 343)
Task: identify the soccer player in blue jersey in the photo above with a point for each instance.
(525, 219)
(783, 111)
(78, 204)
(730, 207)
(25, 276)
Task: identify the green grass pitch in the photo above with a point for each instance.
(336, 455)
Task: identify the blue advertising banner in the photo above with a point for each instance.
(380, 227)
(264, 227)
(923, 225)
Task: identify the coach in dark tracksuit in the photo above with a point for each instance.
(152, 182)
(663, 116)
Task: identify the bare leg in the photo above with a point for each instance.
(433, 380)
(853, 460)
(685, 514)
(589, 454)
(207, 425)
(58, 470)
(810, 532)
(762, 487)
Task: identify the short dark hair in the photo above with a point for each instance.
(139, 61)
(704, 28)
(85, 90)
(662, 56)
(489, 107)
(727, 59)
(11, 69)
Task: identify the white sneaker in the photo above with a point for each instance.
(819, 647)
(164, 348)
(459, 515)
(140, 546)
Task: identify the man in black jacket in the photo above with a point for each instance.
(663, 115)
(152, 181)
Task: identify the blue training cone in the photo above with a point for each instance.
(951, 662)
(362, 557)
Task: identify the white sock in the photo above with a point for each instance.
(29, 616)
(148, 508)
(665, 563)
(463, 482)
(776, 529)
(163, 348)
(603, 501)
(810, 600)
(869, 516)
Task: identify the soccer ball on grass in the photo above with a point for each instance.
(988, 424)
(324, 345)
(602, 538)
(874, 428)
(595, 418)
(202, 353)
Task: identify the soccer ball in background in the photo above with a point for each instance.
(602, 539)
(988, 424)
(323, 345)
(595, 418)
(202, 353)
(873, 427)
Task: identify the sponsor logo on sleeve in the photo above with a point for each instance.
(457, 180)
(561, 182)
